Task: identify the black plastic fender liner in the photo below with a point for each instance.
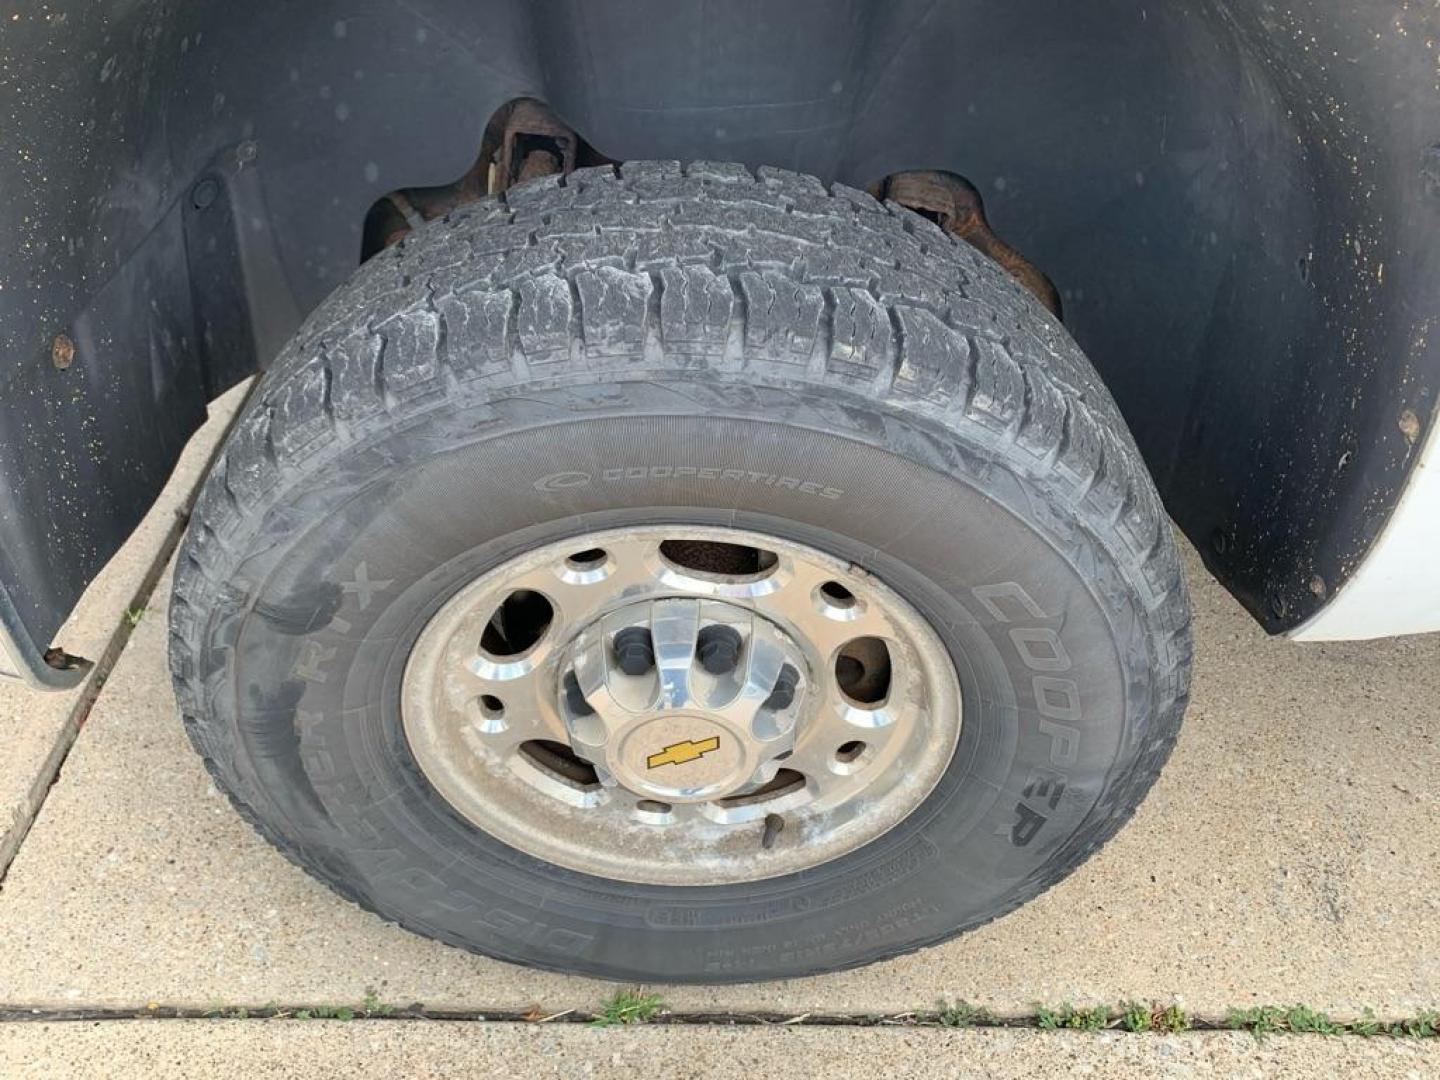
(85, 450)
(1238, 201)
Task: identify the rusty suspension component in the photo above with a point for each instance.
(533, 143)
(523, 140)
(954, 204)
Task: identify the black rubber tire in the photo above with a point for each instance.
(683, 344)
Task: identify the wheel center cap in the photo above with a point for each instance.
(677, 758)
(683, 700)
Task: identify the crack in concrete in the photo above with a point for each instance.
(1423, 1026)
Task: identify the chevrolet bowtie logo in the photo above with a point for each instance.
(681, 752)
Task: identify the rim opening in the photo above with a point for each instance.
(562, 763)
(862, 668)
(717, 558)
(783, 783)
(517, 624)
(850, 751)
(487, 714)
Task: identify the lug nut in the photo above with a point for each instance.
(574, 698)
(786, 683)
(719, 648)
(634, 650)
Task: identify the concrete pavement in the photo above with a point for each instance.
(258, 1049)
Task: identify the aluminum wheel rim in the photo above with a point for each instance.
(563, 744)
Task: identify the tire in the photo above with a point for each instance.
(701, 345)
